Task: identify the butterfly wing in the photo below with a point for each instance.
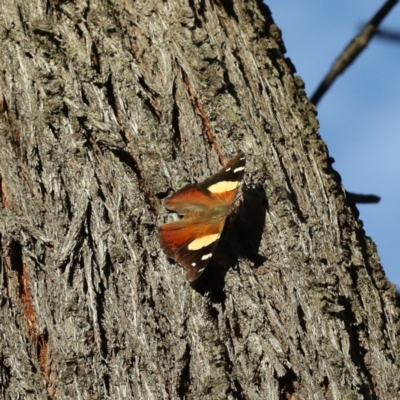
(191, 241)
(217, 190)
(225, 183)
(191, 198)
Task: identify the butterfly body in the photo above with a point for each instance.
(205, 206)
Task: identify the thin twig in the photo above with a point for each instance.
(388, 34)
(363, 198)
(353, 49)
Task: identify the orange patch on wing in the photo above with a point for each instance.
(176, 234)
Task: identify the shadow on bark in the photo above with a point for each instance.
(241, 239)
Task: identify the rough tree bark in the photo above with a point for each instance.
(106, 107)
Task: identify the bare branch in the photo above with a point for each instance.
(354, 48)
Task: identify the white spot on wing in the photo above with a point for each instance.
(206, 256)
(204, 241)
(193, 264)
(242, 158)
(224, 186)
(228, 169)
(201, 270)
(238, 169)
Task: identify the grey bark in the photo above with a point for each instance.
(106, 107)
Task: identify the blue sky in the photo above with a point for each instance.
(360, 115)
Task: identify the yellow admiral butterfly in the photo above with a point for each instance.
(191, 241)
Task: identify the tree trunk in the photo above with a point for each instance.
(107, 107)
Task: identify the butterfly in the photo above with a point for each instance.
(205, 206)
